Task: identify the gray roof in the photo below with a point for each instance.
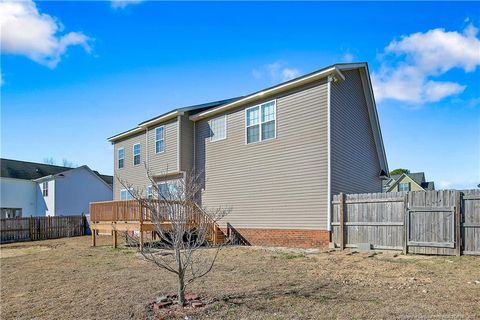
(428, 185)
(25, 170)
(195, 108)
(192, 109)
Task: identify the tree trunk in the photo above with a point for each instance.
(181, 280)
(181, 290)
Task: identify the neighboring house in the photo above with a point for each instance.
(275, 156)
(36, 189)
(408, 182)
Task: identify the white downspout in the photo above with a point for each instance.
(329, 169)
(146, 148)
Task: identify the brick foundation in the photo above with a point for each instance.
(294, 238)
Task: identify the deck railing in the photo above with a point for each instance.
(133, 211)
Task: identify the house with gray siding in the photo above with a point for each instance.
(275, 156)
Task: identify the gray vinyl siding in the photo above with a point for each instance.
(166, 161)
(130, 173)
(186, 143)
(355, 166)
(279, 183)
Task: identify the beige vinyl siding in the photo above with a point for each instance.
(158, 163)
(279, 183)
(186, 143)
(130, 173)
(166, 161)
(355, 166)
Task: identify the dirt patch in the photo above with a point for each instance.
(69, 279)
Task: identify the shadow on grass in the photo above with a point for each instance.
(320, 292)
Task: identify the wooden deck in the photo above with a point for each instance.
(128, 215)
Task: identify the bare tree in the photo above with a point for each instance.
(184, 227)
(49, 160)
(69, 164)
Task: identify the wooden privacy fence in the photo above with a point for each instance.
(41, 228)
(445, 222)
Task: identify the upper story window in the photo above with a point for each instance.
(136, 154)
(404, 186)
(218, 128)
(261, 122)
(160, 139)
(121, 158)
(45, 189)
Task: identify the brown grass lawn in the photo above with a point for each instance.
(68, 279)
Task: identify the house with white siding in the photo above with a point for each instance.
(276, 156)
(37, 189)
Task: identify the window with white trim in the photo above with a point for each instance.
(136, 154)
(160, 139)
(125, 195)
(169, 190)
(260, 122)
(404, 186)
(218, 128)
(121, 158)
(45, 189)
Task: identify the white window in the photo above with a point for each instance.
(160, 139)
(136, 154)
(149, 192)
(10, 213)
(45, 189)
(218, 128)
(121, 158)
(260, 122)
(404, 186)
(125, 195)
(168, 190)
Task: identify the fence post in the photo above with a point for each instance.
(405, 224)
(458, 223)
(342, 220)
(83, 224)
(30, 228)
(47, 232)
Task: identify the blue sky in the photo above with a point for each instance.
(75, 73)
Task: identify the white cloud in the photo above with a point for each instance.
(443, 184)
(276, 71)
(348, 57)
(121, 4)
(410, 65)
(26, 31)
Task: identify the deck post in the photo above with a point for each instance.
(114, 238)
(141, 238)
(94, 242)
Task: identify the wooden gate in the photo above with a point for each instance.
(433, 222)
(445, 222)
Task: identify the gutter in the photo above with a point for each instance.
(144, 125)
(334, 71)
